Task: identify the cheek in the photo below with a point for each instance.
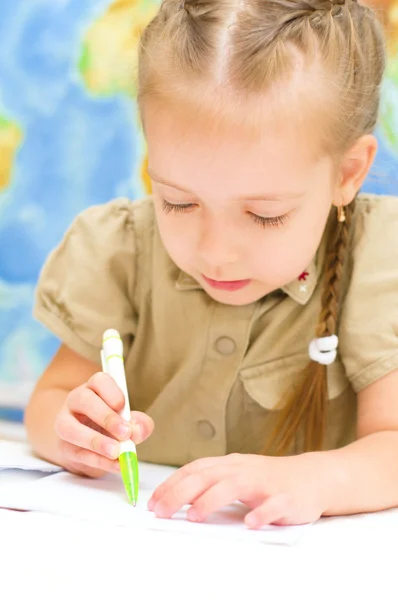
(274, 261)
(282, 256)
(178, 240)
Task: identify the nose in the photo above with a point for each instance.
(217, 243)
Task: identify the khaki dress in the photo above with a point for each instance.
(210, 374)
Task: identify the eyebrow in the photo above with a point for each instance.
(285, 195)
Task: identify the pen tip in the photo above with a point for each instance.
(134, 504)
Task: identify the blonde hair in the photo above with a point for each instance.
(250, 47)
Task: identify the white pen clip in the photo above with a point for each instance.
(103, 362)
(113, 365)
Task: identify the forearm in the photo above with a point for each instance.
(40, 417)
(363, 476)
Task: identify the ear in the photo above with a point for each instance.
(354, 168)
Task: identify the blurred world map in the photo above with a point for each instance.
(70, 138)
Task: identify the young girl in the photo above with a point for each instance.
(256, 293)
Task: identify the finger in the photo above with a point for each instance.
(91, 473)
(216, 497)
(83, 470)
(177, 477)
(88, 462)
(85, 402)
(187, 490)
(275, 510)
(142, 426)
(69, 429)
(196, 466)
(106, 388)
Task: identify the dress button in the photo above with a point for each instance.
(225, 345)
(205, 429)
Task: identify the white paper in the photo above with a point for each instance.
(104, 500)
(12, 431)
(18, 455)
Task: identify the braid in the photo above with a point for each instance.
(198, 8)
(308, 404)
(333, 272)
(187, 24)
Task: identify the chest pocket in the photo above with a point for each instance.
(268, 383)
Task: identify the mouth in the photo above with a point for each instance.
(230, 286)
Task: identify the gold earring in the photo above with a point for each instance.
(341, 214)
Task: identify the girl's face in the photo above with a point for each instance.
(242, 214)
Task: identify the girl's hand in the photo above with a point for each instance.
(89, 427)
(280, 491)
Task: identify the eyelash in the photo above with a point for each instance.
(269, 221)
(262, 221)
(177, 208)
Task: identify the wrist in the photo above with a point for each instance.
(40, 417)
(332, 477)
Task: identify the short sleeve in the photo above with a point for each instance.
(87, 283)
(368, 332)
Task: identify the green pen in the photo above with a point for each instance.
(113, 365)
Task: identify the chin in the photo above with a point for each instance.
(232, 298)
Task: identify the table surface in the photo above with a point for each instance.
(58, 557)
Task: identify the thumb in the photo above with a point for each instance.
(142, 426)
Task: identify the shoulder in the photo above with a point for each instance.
(113, 233)
(369, 313)
(373, 236)
(119, 216)
(373, 247)
(91, 280)
(375, 219)
(117, 237)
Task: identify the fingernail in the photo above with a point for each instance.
(193, 515)
(137, 434)
(112, 450)
(123, 430)
(151, 503)
(252, 522)
(160, 511)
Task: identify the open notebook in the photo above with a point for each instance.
(104, 501)
(18, 455)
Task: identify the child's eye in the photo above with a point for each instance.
(168, 207)
(269, 221)
(178, 208)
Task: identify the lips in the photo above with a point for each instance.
(230, 286)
